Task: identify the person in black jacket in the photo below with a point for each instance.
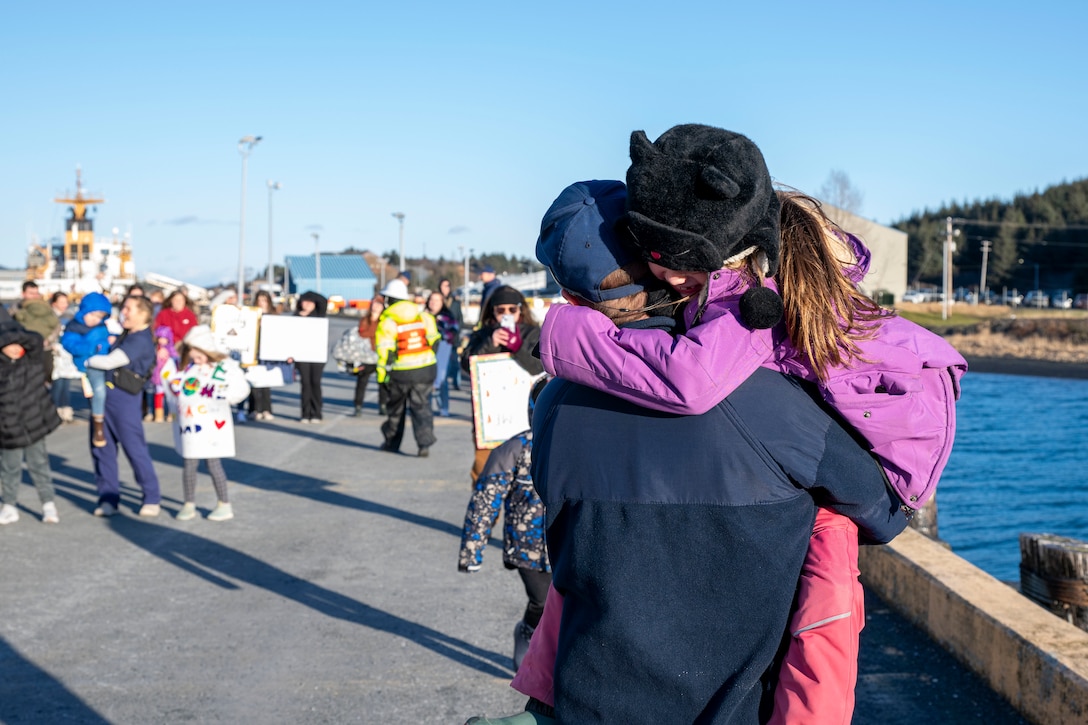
(27, 416)
(506, 325)
(310, 304)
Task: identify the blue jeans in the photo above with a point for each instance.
(61, 392)
(97, 380)
(442, 381)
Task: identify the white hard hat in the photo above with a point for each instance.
(396, 289)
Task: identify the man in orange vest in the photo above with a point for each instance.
(407, 364)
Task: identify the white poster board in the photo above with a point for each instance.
(302, 339)
(265, 376)
(235, 330)
(500, 398)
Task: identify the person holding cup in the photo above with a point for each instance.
(506, 325)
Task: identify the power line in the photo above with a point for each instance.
(980, 222)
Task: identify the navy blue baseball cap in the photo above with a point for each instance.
(579, 242)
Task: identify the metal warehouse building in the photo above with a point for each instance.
(344, 275)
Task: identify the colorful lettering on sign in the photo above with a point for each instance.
(220, 373)
(192, 429)
(208, 391)
(191, 385)
(220, 423)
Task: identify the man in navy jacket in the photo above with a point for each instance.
(677, 541)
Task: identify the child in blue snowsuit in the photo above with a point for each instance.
(84, 336)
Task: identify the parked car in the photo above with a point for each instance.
(914, 295)
(1036, 298)
(1062, 300)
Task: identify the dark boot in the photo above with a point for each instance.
(531, 716)
(98, 431)
(522, 633)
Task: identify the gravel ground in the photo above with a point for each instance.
(332, 597)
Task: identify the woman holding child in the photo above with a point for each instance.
(128, 363)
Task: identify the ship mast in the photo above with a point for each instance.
(79, 234)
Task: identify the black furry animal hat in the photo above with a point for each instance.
(701, 197)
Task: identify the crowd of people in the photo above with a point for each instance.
(719, 419)
(139, 358)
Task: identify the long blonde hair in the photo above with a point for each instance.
(825, 314)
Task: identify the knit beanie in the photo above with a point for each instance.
(701, 197)
(202, 338)
(506, 295)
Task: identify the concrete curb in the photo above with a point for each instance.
(1036, 661)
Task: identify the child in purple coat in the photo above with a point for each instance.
(702, 211)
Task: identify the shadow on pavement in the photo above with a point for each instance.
(315, 489)
(27, 689)
(219, 564)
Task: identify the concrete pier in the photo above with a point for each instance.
(332, 597)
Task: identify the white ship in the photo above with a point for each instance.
(82, 264)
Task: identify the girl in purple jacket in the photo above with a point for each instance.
(702, 211)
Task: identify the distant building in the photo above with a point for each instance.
(341, 275)
(888, 269)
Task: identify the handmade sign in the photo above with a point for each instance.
(302, 339)
(204, 426)
(265, 376)
(500, 398)
(236, 330)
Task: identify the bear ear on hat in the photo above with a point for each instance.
(718, 183)
(641, 148)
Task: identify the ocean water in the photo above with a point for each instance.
(1019, 465)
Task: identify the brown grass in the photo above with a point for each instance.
(1003, 332)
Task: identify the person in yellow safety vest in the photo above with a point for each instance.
(407, 365)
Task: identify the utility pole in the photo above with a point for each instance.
(944, 267)
(946, 261)
(464, 289)
(399, 216)
(982, 282)
(317, 261)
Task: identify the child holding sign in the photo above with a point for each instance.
(203, 393)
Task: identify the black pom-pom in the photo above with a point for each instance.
(760, 308)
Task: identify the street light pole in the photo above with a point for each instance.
(245, 145)
(272, 186)
(317, 261)
(399, 216)
(464, 290)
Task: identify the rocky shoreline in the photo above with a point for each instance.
(1026, 366)
(1038, 352)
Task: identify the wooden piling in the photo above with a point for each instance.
(1054, 573)
(924, 520)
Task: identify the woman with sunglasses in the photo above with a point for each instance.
(506, 325)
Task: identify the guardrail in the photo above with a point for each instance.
(1036, 661)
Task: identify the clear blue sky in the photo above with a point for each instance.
(470, 118)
